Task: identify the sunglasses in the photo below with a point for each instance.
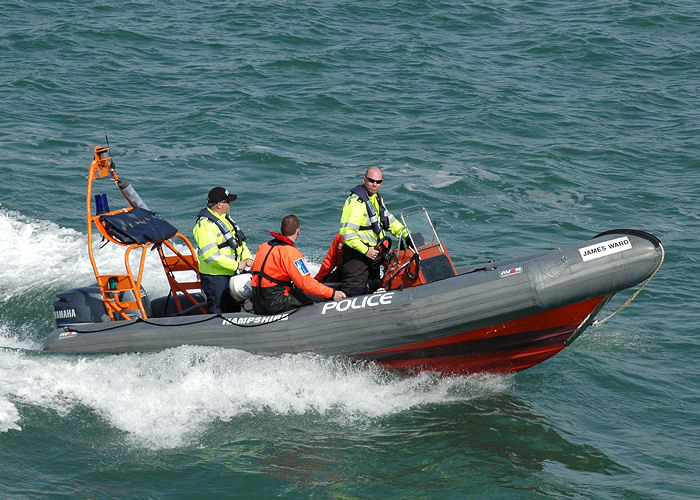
(374, 181)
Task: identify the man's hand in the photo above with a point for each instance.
(338, 295)
(245, 264)
(372, 253)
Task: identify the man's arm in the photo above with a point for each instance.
(297, 270)
(331, 258)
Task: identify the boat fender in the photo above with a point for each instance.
(240, 287)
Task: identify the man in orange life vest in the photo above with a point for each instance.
(281, 279)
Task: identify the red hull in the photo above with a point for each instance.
(501, 348)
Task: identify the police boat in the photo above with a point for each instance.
(426, 314)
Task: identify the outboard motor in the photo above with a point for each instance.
(85, 305)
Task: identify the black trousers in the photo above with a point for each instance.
(215, 288)
(272, 300)
(357, 270)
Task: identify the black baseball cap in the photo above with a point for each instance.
(220, 194)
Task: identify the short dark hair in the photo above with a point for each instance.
(289, 225)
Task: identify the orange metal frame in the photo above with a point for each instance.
(111, 285)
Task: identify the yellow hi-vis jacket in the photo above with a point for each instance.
(356, 226)
(215, 255)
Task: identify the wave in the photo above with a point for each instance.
(39, 255)
(168, 399)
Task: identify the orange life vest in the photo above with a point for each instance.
(278, 267)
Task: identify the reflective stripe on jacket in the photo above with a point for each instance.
(356, 223)
(213, 250)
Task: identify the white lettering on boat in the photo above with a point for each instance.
(605, 248)
(255, 320)
(64, 313)
(359, 302)
(67, 333)
(512, 271)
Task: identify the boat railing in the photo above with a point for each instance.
(122, 292)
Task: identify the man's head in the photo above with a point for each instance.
(372, 180)
(219, 199)
(290, 226)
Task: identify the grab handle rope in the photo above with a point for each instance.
(634, 295)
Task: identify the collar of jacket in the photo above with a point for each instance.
(282, 238)
(217, 215)
(206, 211)
(361, 193)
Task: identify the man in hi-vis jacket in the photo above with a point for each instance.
(362, 225)
(221, 250)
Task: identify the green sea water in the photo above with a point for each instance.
(521, 126)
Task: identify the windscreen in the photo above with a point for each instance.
(421, 228)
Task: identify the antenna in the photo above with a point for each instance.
(111, 160)
(105, 129)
